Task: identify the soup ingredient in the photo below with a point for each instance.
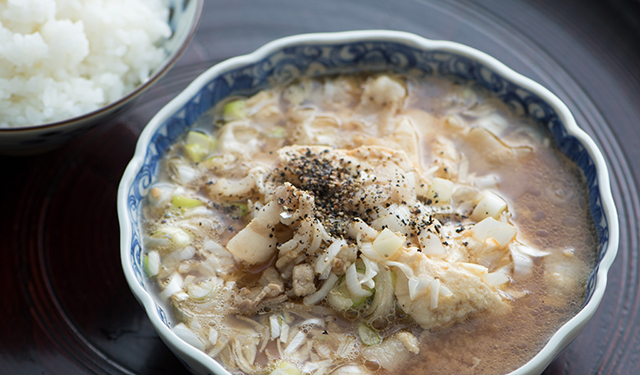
(63, 58)
(335, 226)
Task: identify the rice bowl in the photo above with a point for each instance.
(69, 65)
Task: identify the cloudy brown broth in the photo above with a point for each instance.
(369, 224)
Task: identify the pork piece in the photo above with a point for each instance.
(303, 280)
(393, 352)
(406, 137)
(383, 91)
(271, 280)
(409, 341)
(319, 130)
(446, 157)
(460, 294)
(562, 276)
(270, 290)
(225, 190)
(401, 135)
(492, 149)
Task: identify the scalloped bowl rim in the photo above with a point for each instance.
(168, 62)
(560, 339)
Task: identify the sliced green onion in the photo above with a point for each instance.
(278, 132)
(358, 301)
(360, 266)
(198, 145)
(338, 299)
(354, 287)
(145, 265)
(341, 299)
(286, 368)
(199, 138)
(187, 335)
(242, 208)
(195, 152)
(177, 236)
(367, 335)
(384, 297)
(181, 201)
(201, 290)
(235, 110)
(322, 292)
(151, 263)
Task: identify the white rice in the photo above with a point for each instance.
(63, 58)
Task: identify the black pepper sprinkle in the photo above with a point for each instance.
(328, 181)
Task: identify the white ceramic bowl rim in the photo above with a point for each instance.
(563, 335)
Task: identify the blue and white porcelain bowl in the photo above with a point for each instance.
(183, 21)
(349, 52)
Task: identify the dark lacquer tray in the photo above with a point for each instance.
(66, 308)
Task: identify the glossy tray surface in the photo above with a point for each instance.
(67, 307)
